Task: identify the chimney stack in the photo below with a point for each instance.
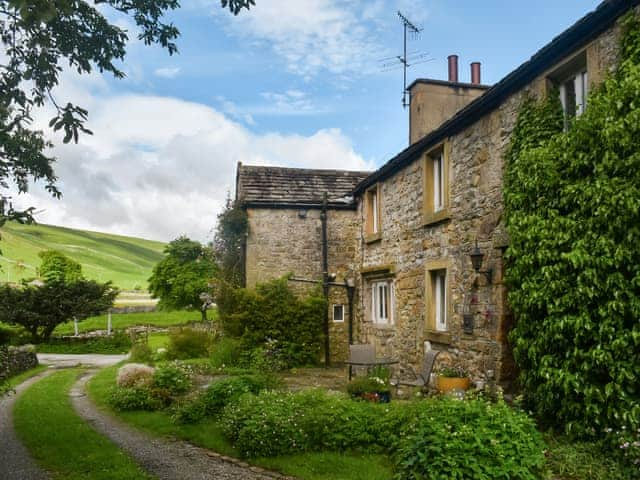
(475, 73)
(453, 68)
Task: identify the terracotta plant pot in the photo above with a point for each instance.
(446, 384)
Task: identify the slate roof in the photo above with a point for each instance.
(572, 39)
(278, 187)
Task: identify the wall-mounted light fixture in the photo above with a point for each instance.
(476, 260)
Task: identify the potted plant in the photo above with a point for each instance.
(453, 378)
(374, 387)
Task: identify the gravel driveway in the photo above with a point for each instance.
(89, 359)
(168, 460)
(15, 461)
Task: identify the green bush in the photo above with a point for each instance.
(188, 343)
(226, 352)
(172, 378)
(117, 343)
(276, 423)
(190, 411)
(572, 207)
(136, 398)
(141, 353)
(228, 390)
(273, 318)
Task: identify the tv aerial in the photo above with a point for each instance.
(407, 59)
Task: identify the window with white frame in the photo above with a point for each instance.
(338, 313)
(438, 182)
(573, 93)
(439, 300)
(382, 302)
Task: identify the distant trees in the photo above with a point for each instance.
(64, 295)
(182, 278)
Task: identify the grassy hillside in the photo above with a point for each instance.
(126, 261)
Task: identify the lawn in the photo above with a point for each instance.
(61, 441)
(307, 466)
(120, 321)
(126, 261)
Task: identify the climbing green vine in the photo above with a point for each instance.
(572, 205)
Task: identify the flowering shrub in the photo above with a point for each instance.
(470, 439)
(135, 375)
(172, 377)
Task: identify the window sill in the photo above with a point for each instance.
(432, 218)
(434, 336)
(372, 238)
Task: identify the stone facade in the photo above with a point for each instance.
(410, 245)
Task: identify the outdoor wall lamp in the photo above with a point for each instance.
(476, 260)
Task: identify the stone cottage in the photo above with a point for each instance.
(286, 211)
(418, 219)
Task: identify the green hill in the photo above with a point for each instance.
(126, 261)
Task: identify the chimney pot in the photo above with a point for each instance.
(453, 68)
(475, 73)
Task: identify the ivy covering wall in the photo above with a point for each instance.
(572, 205)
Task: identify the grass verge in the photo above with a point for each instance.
(120, 321)
(207, 434)
(61, 441)
(16, 380)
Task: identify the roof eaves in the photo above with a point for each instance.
(584, 30)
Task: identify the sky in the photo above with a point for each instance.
(296, 83)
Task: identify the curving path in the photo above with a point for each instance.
(168, 460)
(16, 462)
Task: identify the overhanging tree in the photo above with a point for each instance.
(183, 277)
(38, 37)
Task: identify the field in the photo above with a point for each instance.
(126, 261)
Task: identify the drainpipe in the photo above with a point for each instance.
(325, 279)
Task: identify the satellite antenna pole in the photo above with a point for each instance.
(407, 26)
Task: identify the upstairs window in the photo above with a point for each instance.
(372, 213)
(572, 81)
(436, 185)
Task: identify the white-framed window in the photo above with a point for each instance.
(338, 313)
(382, 302)
(439, 286)
(573, 93)
(438, 182)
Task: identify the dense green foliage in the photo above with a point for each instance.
(188, 343)
(118, 343)
(285, 330)
(572, 204)
(55, 266)
(182, 278)
(430, 439)
(228, 245)
(40, 309)
(62, 442)
(474, 439)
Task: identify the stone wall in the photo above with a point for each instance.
(408, 245)
(20, 359)
(282, 241)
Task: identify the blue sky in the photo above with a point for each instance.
(291, 82)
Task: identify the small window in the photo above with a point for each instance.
(372, 206)
(436, 186)
(440, 299)
(572, 81)
(382, 302)
(338, 313)
(437, 298)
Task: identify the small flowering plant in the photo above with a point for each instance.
(627, 441)
(375, 384)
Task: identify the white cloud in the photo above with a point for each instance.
(311, 35)
(158, 167)
(167, 72)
